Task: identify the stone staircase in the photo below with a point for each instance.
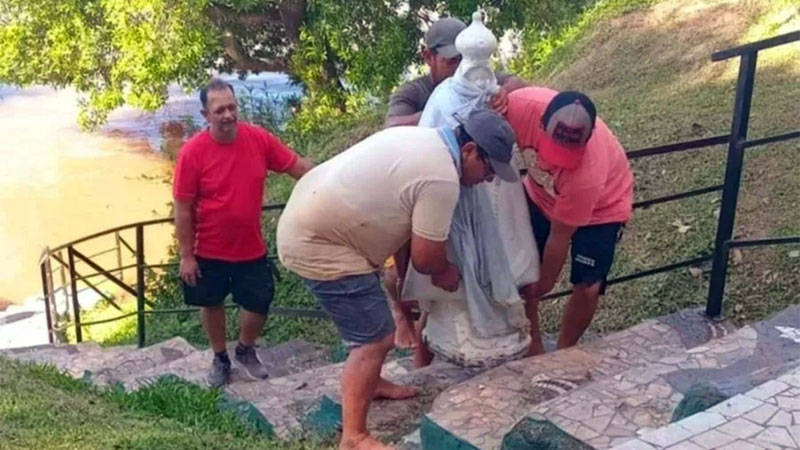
(618, 390)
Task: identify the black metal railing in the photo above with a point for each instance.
(736, 141)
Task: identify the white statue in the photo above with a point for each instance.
(483, 323)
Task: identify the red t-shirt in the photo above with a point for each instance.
(598, 191)
(225, 182)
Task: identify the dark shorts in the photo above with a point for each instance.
(592, 250)
(252, 284)
(358, 306)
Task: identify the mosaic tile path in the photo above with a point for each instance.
(767, 417)
(615, 410)
(287, 402)
(481, 411)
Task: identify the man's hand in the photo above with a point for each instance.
(447, 280)
(190, 271)
(499, 102)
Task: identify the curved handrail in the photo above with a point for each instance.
(137, 224)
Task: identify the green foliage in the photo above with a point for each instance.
(115, 51)
(344, 53)
(187, 403)
(44, 408)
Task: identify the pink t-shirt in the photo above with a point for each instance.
(226, 184)
(599, 190)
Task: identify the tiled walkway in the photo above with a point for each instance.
(768, 417)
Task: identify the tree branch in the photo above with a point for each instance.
(266, 16)
(293, 13)
(246, 62)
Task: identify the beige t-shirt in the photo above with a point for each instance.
(348, 215)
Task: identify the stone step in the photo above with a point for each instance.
(58, 355)
(105, 366)
(614, 410)
(282, 359)
(767, 417)
(310, 401)
(478, 413)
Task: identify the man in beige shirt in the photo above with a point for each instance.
(347, 216)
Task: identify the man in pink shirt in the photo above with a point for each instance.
(580, 193)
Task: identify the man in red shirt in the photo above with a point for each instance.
(218, 191)
(580, 194)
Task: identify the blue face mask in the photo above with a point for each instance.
(449, 138)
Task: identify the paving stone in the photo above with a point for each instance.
(635, 444)
(776, 435)
(685, 446)
(788, 403)
(736, 406)
(780, 419)
(701, 422)
(796, 418)
(667, 436)
(762, 414)
(740, 428)
(768, 389)
(713, 439)
(742, 445)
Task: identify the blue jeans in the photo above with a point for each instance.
(358, 307)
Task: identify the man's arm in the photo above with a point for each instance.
(300, 167)
(399, 121)
(404, 107)
(184, 229)
(512, 83)
(430, 258)
(555, 254)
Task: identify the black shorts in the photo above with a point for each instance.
(592, 251)
(252, 284)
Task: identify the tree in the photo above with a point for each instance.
(119, 52)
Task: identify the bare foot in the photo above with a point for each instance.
(388, 390)
(363, 442)
(404, 336)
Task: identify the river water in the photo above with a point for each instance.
(58, 183)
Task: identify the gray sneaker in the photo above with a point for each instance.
(220, 373)
(247, 357)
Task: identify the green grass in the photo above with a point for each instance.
(42, 408)
(650, 73)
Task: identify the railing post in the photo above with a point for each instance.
(119, 255)
(733, 175)
(44, 267)
(140, 284)
(76, 307)
(63, 272)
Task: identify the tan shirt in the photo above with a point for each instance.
(348, 215)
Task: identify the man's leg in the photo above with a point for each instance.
(592, 252)
(209, 294)
(360, 380)
(213, 318)
(532, 312)
(359, 308)
(404, 322)
(250, 326)
(578, 313)
(253, 289)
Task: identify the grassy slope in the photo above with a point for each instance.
(651, 76)
(40, 408)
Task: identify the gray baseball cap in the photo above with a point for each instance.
(494, 136)
(441, 36)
